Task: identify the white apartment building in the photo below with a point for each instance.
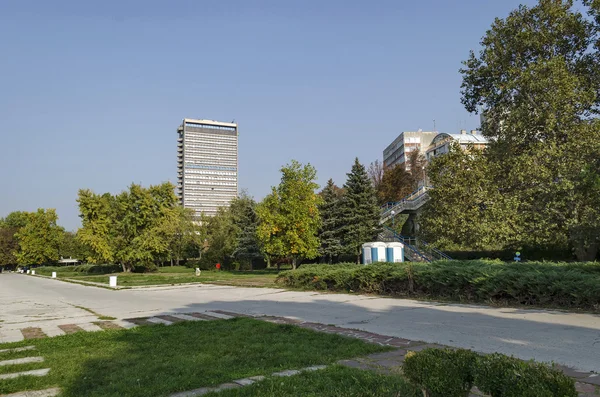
(399, 150)
(207, 164)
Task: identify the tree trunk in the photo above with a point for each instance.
(177, 261)
(123, 266)
(294, 262)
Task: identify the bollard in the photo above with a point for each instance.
(112, 281)
(28, 271)
(33, 272)
(197, 271)
(53, 274)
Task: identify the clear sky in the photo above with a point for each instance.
(91, 93)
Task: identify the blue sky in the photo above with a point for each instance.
(91, 93)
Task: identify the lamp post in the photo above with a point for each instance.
(394, 220)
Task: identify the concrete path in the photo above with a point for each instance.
(566, 338)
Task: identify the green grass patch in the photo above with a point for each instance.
(159, 360)
(258, 278)
(334, 381)
(541, 284)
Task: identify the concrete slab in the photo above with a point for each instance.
(35, 372)
(24, 360)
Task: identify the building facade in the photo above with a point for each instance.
(441, 143)
(399, 150)
(207, 164)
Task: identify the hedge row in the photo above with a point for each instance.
(83, 269)
(452, 373)
(569, 285)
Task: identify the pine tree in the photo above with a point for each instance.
(329, 234)
(359, 211)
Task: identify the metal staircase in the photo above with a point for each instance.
(415, 250)
(412, 202)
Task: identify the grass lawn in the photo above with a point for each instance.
(334, 381)
(177, 275)
(158, 360)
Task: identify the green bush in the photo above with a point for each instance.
(502, 376)
(441, 372)
(553, 284)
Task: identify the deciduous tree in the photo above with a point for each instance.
(289, 216)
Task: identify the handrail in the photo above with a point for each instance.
(433, 253)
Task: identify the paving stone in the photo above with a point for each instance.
(257, 378)
(231, 314)
(584, 387)
(356, 364)
(107, 325)
(389, 363)
(35, 393)
(17, 349)
(314, 368)
(24, 360)
(33, 333)
(219, 315)
(226, 386)
(394, 354)
(193, 393)
(124, 324)
(35, 372)
(139, 321)
(169, 318)
(157, 320)
(10, 335)
(185, 317)
(89, 327)
(202, 316)
(70, 328)
(289, 372)
(244, 382)
(52, 330)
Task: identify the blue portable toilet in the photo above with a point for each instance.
(394, 252)
(366, 254)
(378, 252)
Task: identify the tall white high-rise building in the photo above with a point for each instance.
(207, 164)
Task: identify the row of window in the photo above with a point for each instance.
(210, 126)
(204, 155)
(198, 177)
(215, 183)
(209, 167)
(219, 138)
(228, 147)
(209, 172)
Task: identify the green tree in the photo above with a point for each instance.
(246, 219)
(331, 222)
(289, 216)
(127, 228)
(537, 80)
(40, 238)
(222, 239)
(9, 227)
(71, 247)
(466, 208)
(359, 211)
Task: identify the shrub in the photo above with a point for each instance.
(441, 372)
(554, 284)
(502, 376)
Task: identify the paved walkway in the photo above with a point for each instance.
(566, 338)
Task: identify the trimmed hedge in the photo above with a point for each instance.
(452, 373)
(551, 284)
(83, 269)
